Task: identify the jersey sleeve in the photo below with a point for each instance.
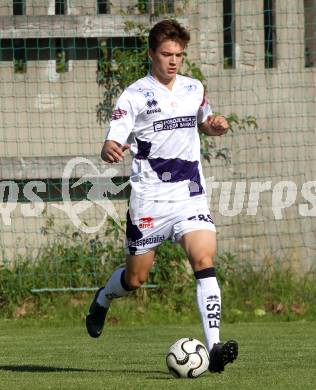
(122, 120)
(205, 109)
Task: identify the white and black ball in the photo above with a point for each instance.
(187, 358)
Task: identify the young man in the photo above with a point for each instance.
(157, 118)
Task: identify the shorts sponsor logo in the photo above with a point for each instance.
(146, 223)
(146, 241)
(201, 217)
(118, 114)
(175, 123)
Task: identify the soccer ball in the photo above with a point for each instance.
(187, 358)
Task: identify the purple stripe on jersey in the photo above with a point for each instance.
(143, 149)
(175, 170)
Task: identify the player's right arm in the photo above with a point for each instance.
(121, 126)
(112, 151)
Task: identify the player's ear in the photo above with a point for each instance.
(150, 54)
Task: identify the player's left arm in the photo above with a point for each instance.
(214, 125)
(209, 123)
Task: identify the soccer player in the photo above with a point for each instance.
(157, 118)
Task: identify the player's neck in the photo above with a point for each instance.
(168, 83)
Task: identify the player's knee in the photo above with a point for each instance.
(203, 261)
(135, 282)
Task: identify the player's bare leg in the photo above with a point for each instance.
(200, 247)
(122, 281)
(137, 269)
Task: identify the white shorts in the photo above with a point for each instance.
(149, 223)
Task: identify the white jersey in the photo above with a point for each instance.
(161, 127)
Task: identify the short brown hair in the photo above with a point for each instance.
(168, 30)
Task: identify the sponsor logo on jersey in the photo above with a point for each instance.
(146, 223)
(152, 105)
(118, 114)
(154, 111)
(148, 93)
(175, 123)
(190, 87)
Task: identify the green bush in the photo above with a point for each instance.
(270, 289)
(74, 261)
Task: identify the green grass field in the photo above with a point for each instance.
(272, 356)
